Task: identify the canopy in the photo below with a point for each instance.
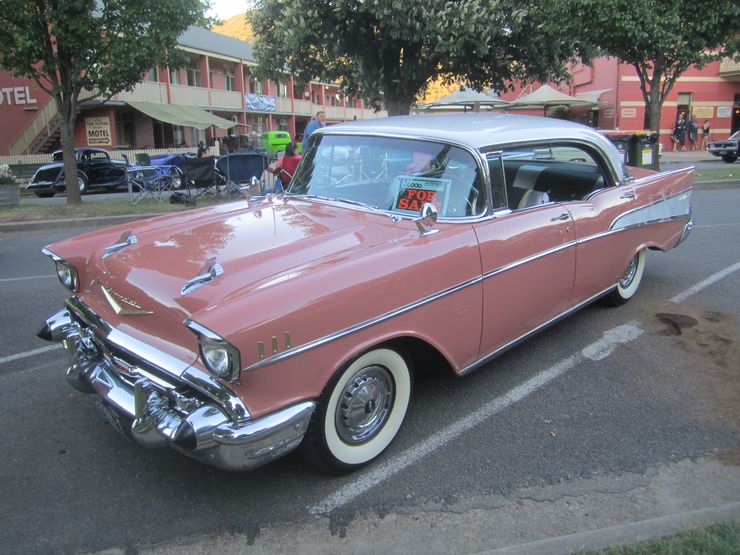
(592, 96)
(546, 96)
(187, 116)
(465, 98)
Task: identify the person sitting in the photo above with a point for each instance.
(286, 166)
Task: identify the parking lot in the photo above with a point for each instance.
(613, 416)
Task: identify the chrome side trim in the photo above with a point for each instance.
(514, 342)
(167, 364)
(528, 259)
(362, 325)
(675, 207)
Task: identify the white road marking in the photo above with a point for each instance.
(703, 284)
(364, 482)
(27, 354)
(598, 350)
(3, 280)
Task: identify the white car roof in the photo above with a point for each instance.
(481, 130)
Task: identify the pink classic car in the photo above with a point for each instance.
(237, 333)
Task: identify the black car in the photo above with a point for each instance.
(94, 169)
(728, 150)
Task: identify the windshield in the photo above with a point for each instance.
(398, 175)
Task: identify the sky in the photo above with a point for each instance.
(224, 9)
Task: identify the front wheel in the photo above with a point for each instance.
(359, 412)
(82, 184)
(629, 282)
(729, 158)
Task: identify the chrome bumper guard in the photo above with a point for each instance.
(687, 228)
(157, 411)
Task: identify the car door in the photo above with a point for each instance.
(528, 259)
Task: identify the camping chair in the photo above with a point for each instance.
(238, 169)
(201, 177)
(156, 182)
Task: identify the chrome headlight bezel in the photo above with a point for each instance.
(66, 273)
(219, 357)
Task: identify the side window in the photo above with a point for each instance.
(498, 181)
(543, 174)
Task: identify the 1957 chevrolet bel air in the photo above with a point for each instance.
(236, 333)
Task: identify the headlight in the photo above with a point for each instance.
(220, 357)
(66, 273)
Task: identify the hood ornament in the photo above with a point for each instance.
(123, 305)
(127, 238)
(210, 271)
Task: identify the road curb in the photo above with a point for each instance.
(624, 534)
(74, 222)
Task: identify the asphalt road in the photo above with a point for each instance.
(612, 415)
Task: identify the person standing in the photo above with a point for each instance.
(693, 129)
(316, 123)
(705, 129)
(679, 132)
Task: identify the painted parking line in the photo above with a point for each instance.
(598, 350)
(27, 354)
(4, 280)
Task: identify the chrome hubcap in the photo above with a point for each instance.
(629, 274)
(364, 405)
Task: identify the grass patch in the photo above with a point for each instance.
(720, 539)
(716, 174)
(93, 209)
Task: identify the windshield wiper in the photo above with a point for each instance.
(350, 201)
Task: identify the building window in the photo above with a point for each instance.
(230, 82)
(255, 86)
(282, 124)
(152, 75)
(282, 89)
(125, 130)
(193, 75)
(175, 76)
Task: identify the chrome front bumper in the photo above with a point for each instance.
(157, 410)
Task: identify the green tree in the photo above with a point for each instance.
(392, 49)
(99, 46)
(660, 39)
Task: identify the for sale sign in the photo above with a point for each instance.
(413, 192)
(98, 131)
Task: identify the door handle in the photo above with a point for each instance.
(561, 218)
(630, 194)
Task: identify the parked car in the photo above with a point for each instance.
(95, 170)
(236, 333)
(275, 141)
(728, 150)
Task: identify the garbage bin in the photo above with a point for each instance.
(623, 142)
(645, 150)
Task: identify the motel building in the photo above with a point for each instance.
(214, 95)
(709, 94)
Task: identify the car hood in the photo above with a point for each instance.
(266, 244)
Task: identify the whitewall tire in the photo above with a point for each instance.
(629, 282)
(360, 411)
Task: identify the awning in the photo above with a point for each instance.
(592, 96)
(186, 116)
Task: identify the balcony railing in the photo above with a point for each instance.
(284, 105)
(226, 99)
(728, 67)
(189, 96)
(148, 91)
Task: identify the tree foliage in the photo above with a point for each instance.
(660, 39)
(99, 46)
(391, 49)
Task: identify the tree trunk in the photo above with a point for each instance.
(397, 104)
(67, 118)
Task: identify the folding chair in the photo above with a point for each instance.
(156, 182)
(238, 169)
(201, 177)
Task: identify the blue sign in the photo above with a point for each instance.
(259, 102)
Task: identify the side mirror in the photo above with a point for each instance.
(427, 218)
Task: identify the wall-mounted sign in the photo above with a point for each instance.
(629, 112)
(703, 112)
(16, 96)
(98, 131)
(259, 102)
(724, 111)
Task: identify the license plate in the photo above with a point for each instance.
(112, 417)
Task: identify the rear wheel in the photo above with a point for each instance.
(45, 195)
(629, 282)
(359, 412)
(729, 158)
(82, 184)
